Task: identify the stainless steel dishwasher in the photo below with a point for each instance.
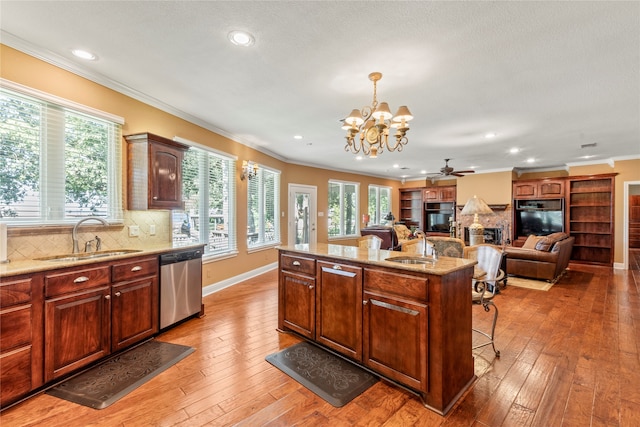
(180, 286)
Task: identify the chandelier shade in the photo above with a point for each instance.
(372, 123)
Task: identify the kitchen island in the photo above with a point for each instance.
(410, 323)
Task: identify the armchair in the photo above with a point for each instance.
(541, 257)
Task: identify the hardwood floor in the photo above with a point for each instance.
(570, 357)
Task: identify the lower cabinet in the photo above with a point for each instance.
(20, 337)
(339, 308)
(389, 321)
(297, 296)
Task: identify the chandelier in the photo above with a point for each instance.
(373, 124)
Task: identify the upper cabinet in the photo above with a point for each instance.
(154, 172)
(538, 189)
(439, 194)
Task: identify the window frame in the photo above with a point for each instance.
(261, 242)
(52, 207)
(342, 219)
(204, 233)
(376, 214)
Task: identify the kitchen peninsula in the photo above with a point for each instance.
(410, 323)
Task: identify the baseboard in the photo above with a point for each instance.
(618, 265)
(215, 287)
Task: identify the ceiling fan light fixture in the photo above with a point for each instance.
(241, 38)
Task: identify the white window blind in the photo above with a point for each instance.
(57, 163)
(343, 209)
(209, 194)
(263, 203)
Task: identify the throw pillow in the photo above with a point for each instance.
(402, 231)
(546, 243)
(531, 241)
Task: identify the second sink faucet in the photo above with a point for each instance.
(74, 233)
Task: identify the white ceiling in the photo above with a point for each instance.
(547, 77)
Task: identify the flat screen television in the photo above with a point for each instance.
(437, 222)
(539, 222)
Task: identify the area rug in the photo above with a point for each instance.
(521, 282)
(104, 384)
(332, 378)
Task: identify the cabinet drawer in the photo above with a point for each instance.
(298, 264)
(16, 292)
(72, 281)
(15, 327)
(396, 283)
(131, 269)
(15, 375)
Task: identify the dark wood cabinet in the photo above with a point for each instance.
(590, 204)
(439, 194)
(21, 337)
(296, 294)
(411, 207)
(339, 308)
(538, 189)
(154, 172)
(134, 296)
(90, 312)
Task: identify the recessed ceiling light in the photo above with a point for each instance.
(423, 172)
(514, 150)
(358, 157)
(490, 135)
(83, 54)
(587, 157)
(396, 166)
(297, 137)
(531, 160)
(241, 38)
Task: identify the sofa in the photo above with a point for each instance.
(392, 236)
(541, 257)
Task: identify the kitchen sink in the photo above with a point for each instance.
(90, 255)
(411, 260)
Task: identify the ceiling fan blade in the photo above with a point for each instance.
(457, 172)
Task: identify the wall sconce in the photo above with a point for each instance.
(249, 170)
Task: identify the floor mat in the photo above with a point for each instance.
(104, 384)
(521, 282)
(332, 378)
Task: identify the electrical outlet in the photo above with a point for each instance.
(134, 231)
(152, 229)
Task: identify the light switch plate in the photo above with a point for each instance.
(152, 229)
(134, 230)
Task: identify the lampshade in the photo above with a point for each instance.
(476, 206)
(354, 117)
(403, 114)
(382, 110)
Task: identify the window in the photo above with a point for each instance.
(209, 194)
(263, 203)
(343, 209)
(379, 203)
(59, 161)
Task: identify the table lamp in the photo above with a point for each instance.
(475, 207)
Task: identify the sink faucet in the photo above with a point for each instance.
(423, 235)
(74, 233)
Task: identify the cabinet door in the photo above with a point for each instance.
(77, 331)
(134, 312)
(525, 190)
(165, 183)
(339, 308)
(551, 189)
(448, 194)
(389, 321)
(430, 195)
(297, 303)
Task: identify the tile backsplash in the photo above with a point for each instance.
(30, 246)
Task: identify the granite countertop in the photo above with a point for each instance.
(444, 265)
(27, 266)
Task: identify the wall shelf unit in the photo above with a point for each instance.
(411, 207)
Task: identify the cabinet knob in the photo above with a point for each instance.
(296, 263)
(364, 302)
(136, 268)
(337, 267)
(118, 294)
(107, 297)
(155, 197)
(310, 287)
(81, 279)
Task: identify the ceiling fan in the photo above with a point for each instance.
(448, 171)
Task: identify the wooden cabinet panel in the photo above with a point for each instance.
(297, 299)
(154, 172)
(397, 283)
(128, 270)
(134, 312)
(15, 327)
(389, 321)
(411, 207)
(539, 189)
(298, 264)
(77, 330)
(15, 375)
(339, 308)
(76, 280)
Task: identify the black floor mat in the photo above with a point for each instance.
(332, 378)
(104, 384)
